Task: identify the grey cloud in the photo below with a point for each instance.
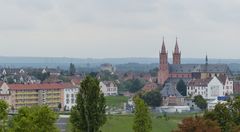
(87, 24)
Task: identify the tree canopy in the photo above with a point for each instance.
(200, 102)
(152, 98)
(34, 119)
(132, 86)
(182, 88)
(142, 119)
(227, 115)
(198, 124)
(72, 69)
(3, 115)
(89, 113)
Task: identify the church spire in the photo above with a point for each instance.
(163, 47)
(176, 50)
(176, 54)
(206, 60)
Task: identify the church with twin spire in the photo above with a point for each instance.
(177, 71)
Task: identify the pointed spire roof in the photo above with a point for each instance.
(176, 50)
(163, 47)
(206, 60)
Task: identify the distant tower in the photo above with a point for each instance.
(176, 54)
(206, 60)
(206, 64)
(163, 67)
(205, 73)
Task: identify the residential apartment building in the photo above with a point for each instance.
(109, 88)
(70, 97)
(51, 94)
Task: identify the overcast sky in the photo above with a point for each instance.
(119, 28)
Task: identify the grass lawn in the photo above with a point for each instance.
(124, 123)
(116, 101)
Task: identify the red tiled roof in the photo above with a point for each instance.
(76, 81)
(40, 86)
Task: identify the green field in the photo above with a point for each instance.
(116, 101)
(124, 123)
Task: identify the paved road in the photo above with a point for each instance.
(62, 123)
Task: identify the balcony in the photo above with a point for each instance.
(27, 93)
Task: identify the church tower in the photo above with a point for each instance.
(176, 54)
(163, 67)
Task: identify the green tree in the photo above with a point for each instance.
(41, 76)
(89, 113)
(182, 88)
(142, 119)
(152, 98)
(34, 119)
(3, 115)
(10, 80)
(227, 115)
(154, 72)
(72, 69)
(136, 85)
(200, 102)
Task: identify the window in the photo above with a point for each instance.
(72, 101)
(67, 101)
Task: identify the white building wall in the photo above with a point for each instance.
(70, 96)
(112, 90)
(228, 87)
(215, 89)
(4, 89)
(211, 91)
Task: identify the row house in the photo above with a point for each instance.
(51, 94)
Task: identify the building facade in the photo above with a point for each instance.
(51, 94)
(70, 97)
(209, 88)
(109, 88)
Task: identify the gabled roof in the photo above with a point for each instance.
(214, 68)
(182, 68)
(209, 68)
(200, 82)
(108, 83)
(170, 90)
(222, 78)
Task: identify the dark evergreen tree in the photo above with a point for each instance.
(182, 88)
(89, 113)
(200, 102)
(72, 69)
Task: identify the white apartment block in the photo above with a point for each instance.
(70, 97)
